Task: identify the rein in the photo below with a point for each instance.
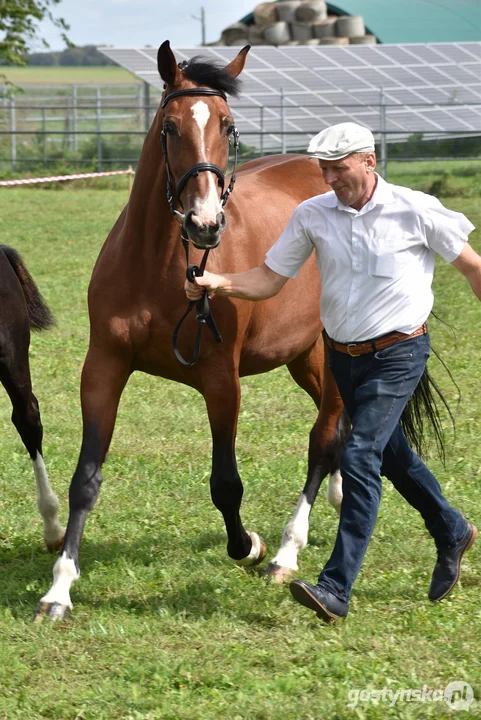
(203, 315)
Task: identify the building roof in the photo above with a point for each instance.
(413, 21)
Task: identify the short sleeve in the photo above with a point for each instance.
(446, 230)
(293, 247)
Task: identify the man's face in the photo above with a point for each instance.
(351, 178)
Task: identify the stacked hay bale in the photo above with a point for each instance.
(297, 22)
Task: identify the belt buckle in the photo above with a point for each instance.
(349, 346)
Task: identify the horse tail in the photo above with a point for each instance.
(424, 404)
(39, 314)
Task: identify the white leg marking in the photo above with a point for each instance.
(64, 574)
(294, 537)
(254, 553)
(334, 491)
(47, 503)
(206, 209)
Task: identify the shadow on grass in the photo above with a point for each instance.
(27, 571)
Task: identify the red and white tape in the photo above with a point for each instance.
(59, 178)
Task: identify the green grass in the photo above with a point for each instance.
(164, 625)
(32, 75)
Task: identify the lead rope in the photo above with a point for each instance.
(203, 315)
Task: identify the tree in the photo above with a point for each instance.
(18, 24)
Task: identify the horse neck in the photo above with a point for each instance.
(149, 222)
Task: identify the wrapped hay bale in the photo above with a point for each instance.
(334, 41)
(277, 34)
(350, 26)
(265, 13)
(255, 35)
(324, 28)
(301, 31)
(235, 34)
(311, 10)
(286, 10)
(363, 40)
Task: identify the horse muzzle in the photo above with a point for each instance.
(205, 236)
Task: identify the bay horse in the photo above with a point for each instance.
(22, 309)
(136, 297)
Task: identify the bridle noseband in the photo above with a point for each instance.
(204, 316)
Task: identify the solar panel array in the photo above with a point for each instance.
(299, 90)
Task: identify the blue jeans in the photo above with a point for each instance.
(375, 389)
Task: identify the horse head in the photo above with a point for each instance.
(196, 130)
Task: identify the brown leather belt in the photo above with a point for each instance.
(369, 346)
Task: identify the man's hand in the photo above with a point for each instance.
(256, 284)
(209, 281)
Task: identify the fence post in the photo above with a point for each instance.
(13, 131)
(44, 138)
(261, 123)
(99, 129)
(146, 106)
(283, 137)
(382, 125)
(74, 117)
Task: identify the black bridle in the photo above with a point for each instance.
(204, 315)
(174, 192)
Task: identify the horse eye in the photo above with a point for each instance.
(168, 129)
(230, 130)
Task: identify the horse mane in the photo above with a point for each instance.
(206, 72)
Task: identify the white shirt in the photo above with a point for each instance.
(377, 264)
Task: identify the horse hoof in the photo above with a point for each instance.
(53, 610)
(277, 573)
(257, 554)
(56, 545)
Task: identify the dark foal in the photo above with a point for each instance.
(22, 309)
(136, 298)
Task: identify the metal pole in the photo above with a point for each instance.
(13, 131)
(382, 125)
(202, 22)
(283, 137)
(99, 129)
(261, 122)
(146, 106)
(44, 138)
(74, 117)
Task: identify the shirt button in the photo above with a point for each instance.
(357, 265)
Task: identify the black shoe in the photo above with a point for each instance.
(448, 566)
(327, 606)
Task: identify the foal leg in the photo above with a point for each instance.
(103, 379)
(222, 397)
(326, 439)
(26, 418)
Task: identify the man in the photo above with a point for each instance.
(375, 245)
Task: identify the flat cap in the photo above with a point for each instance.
(338, 141)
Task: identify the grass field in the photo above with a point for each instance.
(164, 626)
(32, 75)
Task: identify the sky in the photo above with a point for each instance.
(129, 23)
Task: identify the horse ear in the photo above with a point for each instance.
(167, 65)
(236, 66)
